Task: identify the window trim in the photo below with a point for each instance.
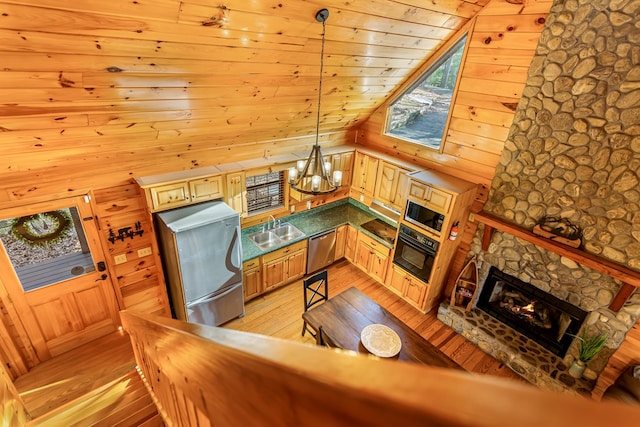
(434, 61)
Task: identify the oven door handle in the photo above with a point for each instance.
(409, 241)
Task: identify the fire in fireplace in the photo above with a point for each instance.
(542, 317)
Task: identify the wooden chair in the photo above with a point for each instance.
(316, 290)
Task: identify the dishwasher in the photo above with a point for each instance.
(321, 251)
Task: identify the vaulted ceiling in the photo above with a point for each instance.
(235, 70)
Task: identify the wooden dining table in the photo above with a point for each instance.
(343, 317)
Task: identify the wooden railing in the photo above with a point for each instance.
(202, 375)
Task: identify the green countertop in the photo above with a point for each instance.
(316, 221)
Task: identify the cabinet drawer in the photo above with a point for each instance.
(374, 244)
(252, 263)
(287, 250)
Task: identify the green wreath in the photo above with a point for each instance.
(42, 229)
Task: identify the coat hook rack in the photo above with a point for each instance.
(125, 232)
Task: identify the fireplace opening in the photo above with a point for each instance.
(542, 317)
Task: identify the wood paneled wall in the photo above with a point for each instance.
(501, 44)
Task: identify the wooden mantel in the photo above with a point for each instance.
(630, 278)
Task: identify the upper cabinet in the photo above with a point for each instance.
(429, 196)
(237, 192)
(391, 185)
(365, 171)
(171, 190)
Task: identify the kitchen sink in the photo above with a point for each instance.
(287, 232)
(267, 239)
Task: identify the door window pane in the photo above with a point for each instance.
(46, 248)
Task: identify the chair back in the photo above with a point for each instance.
(316, 289)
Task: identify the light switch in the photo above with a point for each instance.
(119, 259)
(144, 252)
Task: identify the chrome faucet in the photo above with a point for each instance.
(269, 221)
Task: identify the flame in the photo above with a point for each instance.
(529, 307)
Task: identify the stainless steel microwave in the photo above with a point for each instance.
(424, 217)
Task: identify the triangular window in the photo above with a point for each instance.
(421, 113)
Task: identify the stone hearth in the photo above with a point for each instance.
(522, 355)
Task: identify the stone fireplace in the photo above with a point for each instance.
(573, 152)
(538, 315)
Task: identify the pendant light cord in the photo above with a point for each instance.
(320, 85)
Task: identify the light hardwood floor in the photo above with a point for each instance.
(278, 314)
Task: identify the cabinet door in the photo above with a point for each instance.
(342, 162)
(275, 273)
(363, 255)
(364, 174)
(351, 243)
(378, 266)
(252, 282)
(170, 195)
(418, 190)
(400, 198)
(387, 182)
(341, 238)
(236, 192)
(296, 265)
(439, 199)
(415, 292)
(206, 188)
(398, 281)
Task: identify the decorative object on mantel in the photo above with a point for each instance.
(314, 176)
(588, 348)
(125, 232)
(466, 287)
(560, 230)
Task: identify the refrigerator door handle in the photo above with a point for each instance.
(211, 297)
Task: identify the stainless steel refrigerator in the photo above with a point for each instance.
(203, 261)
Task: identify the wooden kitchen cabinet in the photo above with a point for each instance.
(365, 171)
(391, 185)
(408, 287)
(236, 195)
(341, 240)
(208, 188)
(168, 195)
(430, 197)
(350, 244)
(252, 278)
(372, 257)
(284, 265)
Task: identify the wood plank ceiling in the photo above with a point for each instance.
(88, 76)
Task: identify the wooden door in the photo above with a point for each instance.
(54, 272)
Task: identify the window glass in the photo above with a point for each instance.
(419, 115)
(47, 247)
(265, 192)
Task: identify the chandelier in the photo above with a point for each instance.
(314, 176)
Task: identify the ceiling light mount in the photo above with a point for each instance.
(314, 176)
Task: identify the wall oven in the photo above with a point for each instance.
(415, 252)
(424, 217)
